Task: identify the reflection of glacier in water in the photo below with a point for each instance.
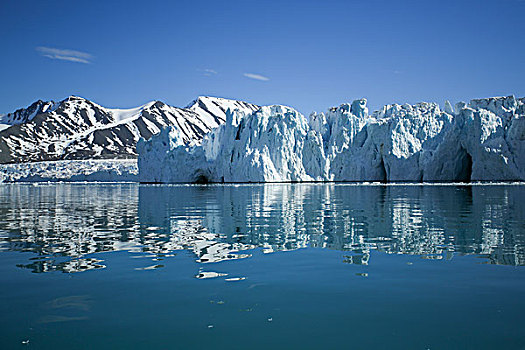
(65, 224)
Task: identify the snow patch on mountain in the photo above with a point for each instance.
(125, 115)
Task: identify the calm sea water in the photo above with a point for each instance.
(306, 266)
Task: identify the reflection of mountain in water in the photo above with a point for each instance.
(65, 223)
(59, 222)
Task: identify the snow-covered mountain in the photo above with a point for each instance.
(483, 140)
(212, 110)
(23, 115)
(76, 128)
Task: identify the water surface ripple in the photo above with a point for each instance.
(64, 225)
(273, 266)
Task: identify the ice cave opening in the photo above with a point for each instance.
(465, 166)
(382, 172)
(200, 178)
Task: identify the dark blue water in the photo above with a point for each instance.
(265, 266)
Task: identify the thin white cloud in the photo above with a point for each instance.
(208, 72)
(256, 76)
(65, 55)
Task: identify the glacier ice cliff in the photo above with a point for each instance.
(483, 140)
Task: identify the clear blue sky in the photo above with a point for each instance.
(314, 54)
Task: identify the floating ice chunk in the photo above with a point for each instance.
(235, 279)
(209, 274)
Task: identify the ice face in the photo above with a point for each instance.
(484, 140)
(359, 108)
(448, 108)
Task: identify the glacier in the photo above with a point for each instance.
(483, 140)
(92, 170)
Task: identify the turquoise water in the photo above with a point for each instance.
(306, 266)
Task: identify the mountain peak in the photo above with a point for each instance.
(212, 108)
(23, 115)
(210, 99)
(74, 98)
